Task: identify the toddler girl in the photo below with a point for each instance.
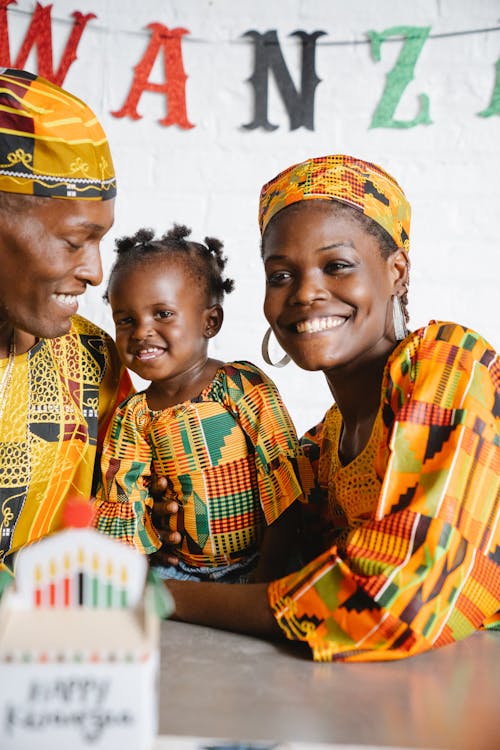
(218, 432)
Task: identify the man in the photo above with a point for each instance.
(60, 377)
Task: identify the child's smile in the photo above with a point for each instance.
(161, 331)
(144, 353)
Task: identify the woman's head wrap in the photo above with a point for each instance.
(51, 143)
(357, 183)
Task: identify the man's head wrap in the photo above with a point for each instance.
(51, 143)
(365, 186)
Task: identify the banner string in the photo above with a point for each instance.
(248, 42)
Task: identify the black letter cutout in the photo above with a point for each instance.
(268, 57)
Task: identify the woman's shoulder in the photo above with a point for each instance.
(454, 334)
(444, 342)
(436, 363)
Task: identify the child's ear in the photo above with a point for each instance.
(214, 316)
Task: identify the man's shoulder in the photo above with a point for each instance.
(87, 344)
(83, 327)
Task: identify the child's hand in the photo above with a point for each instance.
(162, 513)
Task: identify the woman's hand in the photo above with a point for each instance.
(162, 513)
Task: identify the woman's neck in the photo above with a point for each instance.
(357, 393)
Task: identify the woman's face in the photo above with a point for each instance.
(328, 288)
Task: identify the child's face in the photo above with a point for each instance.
(161, 319)
(328, 289)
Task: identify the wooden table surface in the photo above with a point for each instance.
(218, 684)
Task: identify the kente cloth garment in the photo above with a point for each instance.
(231, 457)
(360, 184)
(51, 143)
(414, 563)
(50, 429)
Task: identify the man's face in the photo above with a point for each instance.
(48, 255)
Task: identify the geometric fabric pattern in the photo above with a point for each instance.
(357, 183)
(417, 566)
(52, 143)
(231, 458)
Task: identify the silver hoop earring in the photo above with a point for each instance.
(400, 329)
(265, 351)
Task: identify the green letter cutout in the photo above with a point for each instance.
(494, 108)
(400, 76)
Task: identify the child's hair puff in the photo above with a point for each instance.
(206, 262)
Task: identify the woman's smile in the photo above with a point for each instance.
(319, 324)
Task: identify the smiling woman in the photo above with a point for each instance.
(404, 519)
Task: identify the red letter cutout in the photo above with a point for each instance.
(174, 88)
(4, 34)
(40, 35)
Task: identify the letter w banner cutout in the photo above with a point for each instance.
(39, 36)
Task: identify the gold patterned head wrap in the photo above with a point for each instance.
(51, 143)
(365, 186)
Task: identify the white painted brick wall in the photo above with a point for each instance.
(209, 177)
